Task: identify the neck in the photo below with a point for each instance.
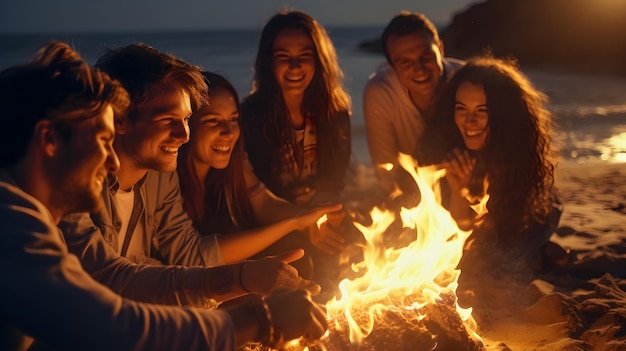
(32, 182)
(129, 172)
(294, 106)
(423, 103)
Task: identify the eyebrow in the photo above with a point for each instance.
(279, 49)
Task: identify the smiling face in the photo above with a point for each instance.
(471, 114)
(81, 164)
(161, 127)
(293, 61)
(416, 59)
(215, 130)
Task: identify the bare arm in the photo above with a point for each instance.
(268, 207)
(174, 285)
(241, 245)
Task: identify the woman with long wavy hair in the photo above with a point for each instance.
(296, 122)
(494, 138)
(296, 119)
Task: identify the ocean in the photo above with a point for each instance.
(589, 110)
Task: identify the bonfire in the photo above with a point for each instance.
(404, 298)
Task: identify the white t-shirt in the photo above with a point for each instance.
(125, 202)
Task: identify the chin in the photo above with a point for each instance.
(168, 167)
(474, 146)
(88, 202)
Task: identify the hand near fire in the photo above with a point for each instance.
(311, 216)
(294, 315)
(284, 319)
(459, 167)
(266, 274)
(327, 237)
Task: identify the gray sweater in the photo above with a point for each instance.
(47, 295)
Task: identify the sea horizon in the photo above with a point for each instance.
(589, 109)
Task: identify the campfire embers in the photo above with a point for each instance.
(404, 298)
(434, 327)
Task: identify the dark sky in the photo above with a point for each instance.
(32, 16)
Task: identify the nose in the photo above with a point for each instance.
(294, 62)
(472, 117)
(226, 128)
(418, 65)
(112, 162)
(180, 130)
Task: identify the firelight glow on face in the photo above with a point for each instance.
(471, 114)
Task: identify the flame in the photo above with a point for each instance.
(409, 277)
(321, 221)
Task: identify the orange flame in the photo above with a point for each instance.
(415, 275)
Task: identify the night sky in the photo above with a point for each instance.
(63, 16)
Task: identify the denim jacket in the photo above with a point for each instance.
(168, 234)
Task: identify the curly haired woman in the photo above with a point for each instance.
(496, 140)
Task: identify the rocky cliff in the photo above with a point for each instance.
(570, 34)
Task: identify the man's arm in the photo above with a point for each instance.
(48, 296)
(175, 285)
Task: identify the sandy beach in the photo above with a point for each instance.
(580, 305)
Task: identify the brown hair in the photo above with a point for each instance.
(202, 197)
(139, 66)
(518, 159)
(406, 23)
(323, 98)
(57, 85)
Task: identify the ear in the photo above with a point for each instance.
(46, 137)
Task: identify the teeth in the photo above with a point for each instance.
(224, 148)
(295, 78)
(473, 132)
(169, 149)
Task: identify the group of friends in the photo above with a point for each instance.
(145, 207)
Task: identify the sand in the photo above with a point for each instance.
(582, 304)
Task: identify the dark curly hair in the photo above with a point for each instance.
(518, 160)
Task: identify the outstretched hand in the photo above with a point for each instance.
(459, 168)
(311, 216)
(272, 272)
(327, 237)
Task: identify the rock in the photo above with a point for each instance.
(538, 289)
(568, 34)
(552, 308)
